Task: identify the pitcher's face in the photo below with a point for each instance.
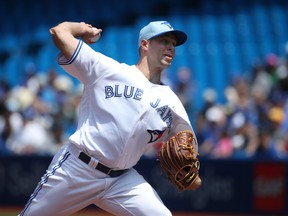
(162, 50)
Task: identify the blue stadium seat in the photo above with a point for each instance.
(110, 42)
(239, 31)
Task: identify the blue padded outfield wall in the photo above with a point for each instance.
(234, 187)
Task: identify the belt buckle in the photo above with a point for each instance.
(110, 170)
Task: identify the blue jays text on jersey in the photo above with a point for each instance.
(164, 111)
(166, 116)
(126, 91)
(136, 93)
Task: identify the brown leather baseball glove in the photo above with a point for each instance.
(178, 159)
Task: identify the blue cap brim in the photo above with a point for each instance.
(181, 37)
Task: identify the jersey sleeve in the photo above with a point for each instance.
(180, 117)
(86, 64)
(182, 123)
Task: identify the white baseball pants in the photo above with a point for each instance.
(70, 185)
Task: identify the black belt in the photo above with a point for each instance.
(113, 173)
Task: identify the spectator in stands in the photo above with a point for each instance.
(183, 87)
(37, 107)
(29, 135)
(5, 124)
(266, 149)
(210, 123)
(260, 79)
(5, 129)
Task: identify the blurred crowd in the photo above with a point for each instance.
(38, 115)
(252, 123)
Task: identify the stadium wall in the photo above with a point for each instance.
(234, 186)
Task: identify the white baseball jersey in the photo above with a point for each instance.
(121, 111)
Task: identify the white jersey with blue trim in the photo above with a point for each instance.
(121, 112)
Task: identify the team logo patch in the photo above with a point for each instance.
(167, 24)
(155, 135)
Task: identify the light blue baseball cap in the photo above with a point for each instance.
(157, 28)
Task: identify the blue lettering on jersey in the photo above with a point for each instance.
(164, 111)
(166, 115)
(126, 92)
(117, 94)
(154, 105)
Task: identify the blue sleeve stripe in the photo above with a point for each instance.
(75, 54)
